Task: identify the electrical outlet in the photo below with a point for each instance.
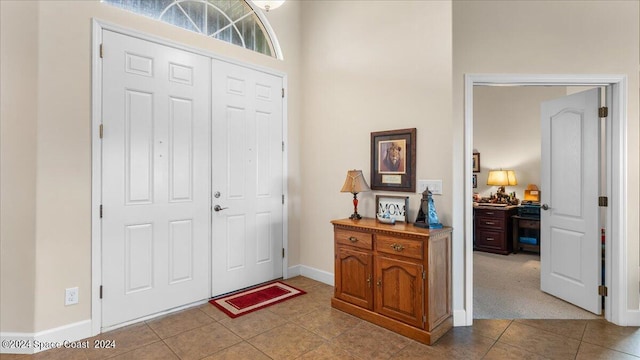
(435, 186)
(71, 296)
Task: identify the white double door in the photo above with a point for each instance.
(179, 127)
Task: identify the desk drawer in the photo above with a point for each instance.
(490, 239)
(490, 213)
(529, 224)
(497, 223)
(358, 239)
(397, 246)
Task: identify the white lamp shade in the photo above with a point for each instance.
(268, 4)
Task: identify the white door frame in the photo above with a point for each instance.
(96, 154)
(616, 267)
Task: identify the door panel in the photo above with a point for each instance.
(247, 143)
(569, 245)
(155, 185)
(400, 290)
(354, 277)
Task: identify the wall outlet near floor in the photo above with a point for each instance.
(71, 296)
(435, 186)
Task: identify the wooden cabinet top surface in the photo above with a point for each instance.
(372, 224)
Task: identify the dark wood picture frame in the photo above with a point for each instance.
(476, 162)
(393, 160)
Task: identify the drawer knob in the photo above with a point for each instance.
(353, 239)
(490, 239)
(397, 247)
(489, 223)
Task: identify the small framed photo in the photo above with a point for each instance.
(393, 160)
(476, 162)
(475, 181)
(395, 206)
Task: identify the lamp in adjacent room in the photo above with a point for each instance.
(267, 5)
(355, 183)
(502, 178)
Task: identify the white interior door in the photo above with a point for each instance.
(570, 245)
(247, 179)
(155, 195)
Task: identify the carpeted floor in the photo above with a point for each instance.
(508, 287)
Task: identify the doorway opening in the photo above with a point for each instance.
(507, 135)
(616, 246)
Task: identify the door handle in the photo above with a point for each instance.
(545, 207)
(218, 208)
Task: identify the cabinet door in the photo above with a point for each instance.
(400, 290)
(354, 277)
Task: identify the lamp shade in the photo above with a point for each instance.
(502, 178)
(355, 182)
(268, 4)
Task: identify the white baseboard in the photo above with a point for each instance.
(312, 273)
(460, 318)
(67, 336)
(633, 318)
(293, 271)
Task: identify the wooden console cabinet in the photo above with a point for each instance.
(396, 276)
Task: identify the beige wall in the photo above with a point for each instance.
(554, 37)
(46, 131)
(506, 132)
(18, 118)
(370, 66)
(367, 66)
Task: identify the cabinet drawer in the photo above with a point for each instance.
(490, 222)
(397, 246)
(490, 239)
(358, 239)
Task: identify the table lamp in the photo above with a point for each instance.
(502, 178)
(355, 183)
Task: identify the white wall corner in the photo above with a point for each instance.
(67, 336)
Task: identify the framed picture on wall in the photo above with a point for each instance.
(393, 160)
(476, 162)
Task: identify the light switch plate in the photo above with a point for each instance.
(435, 186)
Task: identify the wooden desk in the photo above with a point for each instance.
(492, 228)
(528, 226)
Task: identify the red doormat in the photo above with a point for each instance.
(256, 298)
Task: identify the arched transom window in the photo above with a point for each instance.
(233, 21)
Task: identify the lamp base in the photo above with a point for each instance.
(355, 216)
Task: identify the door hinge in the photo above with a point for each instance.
(283, 92)
(424, 275)
(283, 253)
(282, 199)
(424, 319)
(101, 131)
(602, 290)
(283, 146)
(603, 112)
(603, 201)
(100, 211)
(100, 291)
(101, 52)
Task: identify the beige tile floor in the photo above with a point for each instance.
(308, 328)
